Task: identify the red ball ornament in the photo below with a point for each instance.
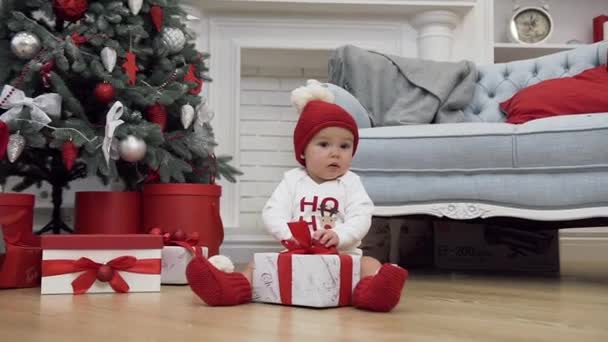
(104, 93)
(70, 10)
(157, 114)
(179, 235)
(105, 273)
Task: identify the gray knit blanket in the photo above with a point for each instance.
(404, 91)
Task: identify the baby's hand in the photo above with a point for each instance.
(327, 238)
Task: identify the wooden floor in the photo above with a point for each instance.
(435, 307)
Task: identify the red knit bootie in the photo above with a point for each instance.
(216, 287)
(382, 291)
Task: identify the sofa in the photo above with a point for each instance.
(545, 173)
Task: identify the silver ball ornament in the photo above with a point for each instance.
(132, 149)
(25, 45)
(173, 38)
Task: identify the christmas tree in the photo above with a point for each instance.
(103, 87)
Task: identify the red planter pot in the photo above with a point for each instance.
(107, 212)
(189, 207)
(20, 264)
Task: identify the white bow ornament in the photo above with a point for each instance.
(41, 107)
(112, 122)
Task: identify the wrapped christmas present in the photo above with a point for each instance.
(179, 248)
(107, 263)
(308, 275)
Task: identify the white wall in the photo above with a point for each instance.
(267, 120)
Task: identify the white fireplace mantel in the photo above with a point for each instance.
(366, 7)
(227, 28)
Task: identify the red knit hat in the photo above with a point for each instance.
(319, 112)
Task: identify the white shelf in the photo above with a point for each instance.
(506, 52)
(573, 21)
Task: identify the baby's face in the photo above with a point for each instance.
(329, 154)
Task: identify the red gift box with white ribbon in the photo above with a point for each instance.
(78, 264)
(305, 275)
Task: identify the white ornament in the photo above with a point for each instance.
(222, 263)
(108, 58)
(16, 144)
(187, 115)
(204, 114)
(173, 38)
(132, 149)
(112, 121)
(25, 45)
(135, 6)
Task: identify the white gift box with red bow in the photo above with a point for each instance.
(175, 261)
(180, 248)
(77, 264)
(305, 280)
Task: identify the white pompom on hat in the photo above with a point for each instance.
(313, 90)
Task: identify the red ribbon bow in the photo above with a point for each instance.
(104, 272)
(179, 238)
(306, 245)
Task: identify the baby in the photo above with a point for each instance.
(325, 194)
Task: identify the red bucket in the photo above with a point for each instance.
(20, 264)
(187, 207)
(107, 212)
(17, 204)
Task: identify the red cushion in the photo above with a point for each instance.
(586, 92)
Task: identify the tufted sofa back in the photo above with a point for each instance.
(498, 82)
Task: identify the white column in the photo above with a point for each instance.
(435, 34)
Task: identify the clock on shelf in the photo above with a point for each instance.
(530, 25)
